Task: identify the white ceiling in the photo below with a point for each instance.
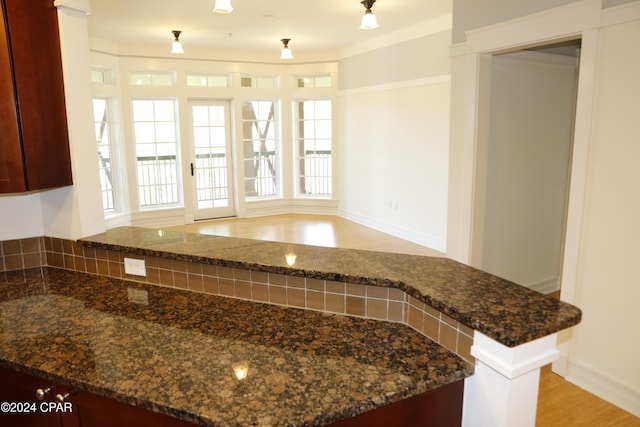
(255, 24)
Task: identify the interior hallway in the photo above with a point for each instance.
(560, 404)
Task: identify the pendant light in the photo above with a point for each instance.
(223, 6)
(176, 48)
(286, 52)
(369, 21)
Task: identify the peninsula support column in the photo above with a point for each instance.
(503, 391)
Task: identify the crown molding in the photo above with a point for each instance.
(76, 5)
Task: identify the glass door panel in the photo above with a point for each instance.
(211, 162)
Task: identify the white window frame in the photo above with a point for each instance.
(316, 180)
(158, 76)
(157, 168)
(313, 79)
(208, 80)
(276, 163)
(115, 170)
(260, 82)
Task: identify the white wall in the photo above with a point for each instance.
(393, 160)
(599, 273)
(471, 14)
(20, 217)
(605, 349)
(393, 126)
(522, 181)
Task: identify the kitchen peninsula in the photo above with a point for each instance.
(504, 311)
(210, 360)
(327, 367)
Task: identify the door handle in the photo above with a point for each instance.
(192, 169)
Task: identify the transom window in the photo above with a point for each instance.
(152, 79)
(208, 80)
(102, 75)
(261, 82)
(314, 81)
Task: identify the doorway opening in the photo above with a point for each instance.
(527, 105)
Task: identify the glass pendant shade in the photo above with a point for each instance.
(176, 47)
(223, 6)
(369, 21)
(286, 52)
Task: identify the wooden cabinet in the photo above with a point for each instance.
(80, 409)
(34, 139)
(441, 407)
(21, 389)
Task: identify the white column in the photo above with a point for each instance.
(76, 211)
(503, 391)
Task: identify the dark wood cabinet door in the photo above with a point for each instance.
(441, 407)
(96, 411)
(20, 389)
(12, 177)
(79, 409)
(31, 63)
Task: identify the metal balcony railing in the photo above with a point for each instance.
(157, 180)
(211, 178)
(315, 177)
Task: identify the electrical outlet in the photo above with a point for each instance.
(134, 267)
(138, 296)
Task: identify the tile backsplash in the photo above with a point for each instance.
(380, 303)
(19, 254)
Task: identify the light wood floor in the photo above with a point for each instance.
(563, 404)
(318, 230)
(560, 403)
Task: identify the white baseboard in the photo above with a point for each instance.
(119, 220)
(418, 237)
(615, 392)
(545, 286)
(288, 206)
(156, 218)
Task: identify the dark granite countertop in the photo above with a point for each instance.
(176, 352)
(509, 313)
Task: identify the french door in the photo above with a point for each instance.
(211, 163)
